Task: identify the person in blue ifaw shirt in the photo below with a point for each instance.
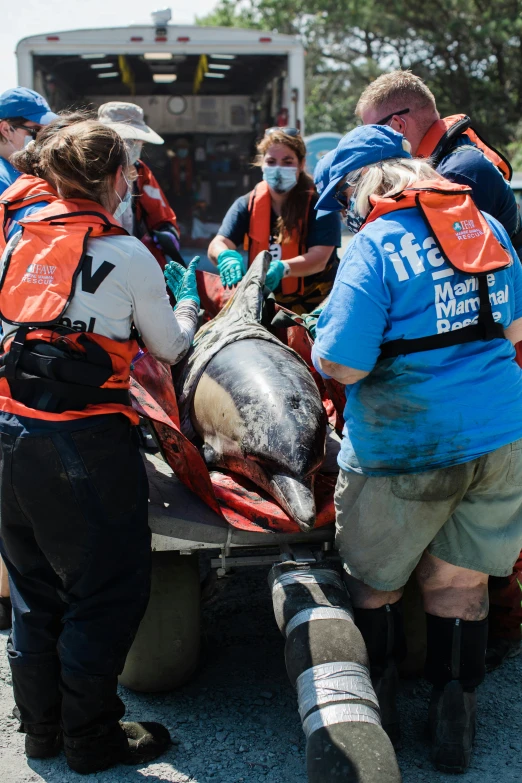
(420, 325)
(22, 113)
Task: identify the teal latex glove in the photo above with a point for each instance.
(231, 267)
(274, 275)
(310, 319)
(181, 281)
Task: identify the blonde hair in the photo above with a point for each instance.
(392, 89)
(388, 178)
(82, 159)
(293, 212)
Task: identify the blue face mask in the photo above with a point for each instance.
(124, 203)
(352, 220)
(280, 178)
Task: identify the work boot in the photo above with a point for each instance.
(125, 743)
(451, 723)
(5, 613)
(383, 633)
(43, 746)
(455, 665)
(500, 650)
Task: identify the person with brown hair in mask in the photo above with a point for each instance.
(73, 489)
(279, 216)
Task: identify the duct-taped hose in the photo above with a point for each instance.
(326, 660)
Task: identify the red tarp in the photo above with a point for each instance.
(238, 501)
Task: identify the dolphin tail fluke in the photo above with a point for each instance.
(297, 498)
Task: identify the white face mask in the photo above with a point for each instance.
(134, 149)
(281, 178)
(124, 202)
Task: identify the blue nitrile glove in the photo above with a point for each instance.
(310, 319)
(181, 281)
(274, 275)
(231, 267)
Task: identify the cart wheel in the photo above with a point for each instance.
(165, 651)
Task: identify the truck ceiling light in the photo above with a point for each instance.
(108, 75)
(93, 56)
(265, 40)
(183, 39)
(52, 38)
(164, 78)
(136, 38)
(220, 66)
(158, 56)
(210, 75)
(101, 66)
(223, 56)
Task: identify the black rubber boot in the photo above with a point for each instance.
(124, 743)
(5, 613)
(383, 633)
(455, 665)
(499, 650)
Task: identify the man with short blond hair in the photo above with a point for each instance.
(403, 101)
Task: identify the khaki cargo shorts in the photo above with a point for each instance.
(469, 515)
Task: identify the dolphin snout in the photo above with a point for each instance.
(297, 498)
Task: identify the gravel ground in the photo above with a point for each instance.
(237, 721)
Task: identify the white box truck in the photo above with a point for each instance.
(208, 91)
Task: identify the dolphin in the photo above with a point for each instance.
(253, 402)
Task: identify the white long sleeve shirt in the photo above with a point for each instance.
(120, 284)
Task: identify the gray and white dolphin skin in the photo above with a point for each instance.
(254, 403)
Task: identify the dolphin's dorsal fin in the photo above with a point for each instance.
(247, 302)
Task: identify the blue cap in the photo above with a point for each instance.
(361, 147)
(22, 102)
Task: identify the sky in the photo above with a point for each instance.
(32, 17)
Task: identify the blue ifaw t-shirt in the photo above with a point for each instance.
(434, 408)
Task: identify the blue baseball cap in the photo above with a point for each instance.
(22, 102)
(361, 147)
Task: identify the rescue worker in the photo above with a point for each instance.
(422, 319)
(73, 490)
(279, 216)
(404, 102)
(151, 218)
(22, 113)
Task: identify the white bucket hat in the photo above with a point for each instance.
(127, 120)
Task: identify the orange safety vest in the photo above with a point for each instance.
(26, 190)
(438, 140)
(465, 241)
(151, 203)
(48, 371)
(258, 237)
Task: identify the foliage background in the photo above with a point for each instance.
(468, 51)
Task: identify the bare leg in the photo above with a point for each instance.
(4, 581)
(366, 597)
(451, 591)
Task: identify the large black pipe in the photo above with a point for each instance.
(327, 662)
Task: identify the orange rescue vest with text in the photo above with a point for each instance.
(38, 272)
(465, 241)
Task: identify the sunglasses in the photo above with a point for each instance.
(339, 194)
(389, 116)
(288, 131)
(33, 132)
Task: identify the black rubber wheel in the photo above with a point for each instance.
(165, 652)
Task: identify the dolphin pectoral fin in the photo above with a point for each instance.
(297, 498)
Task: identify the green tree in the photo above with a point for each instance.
(468, 51)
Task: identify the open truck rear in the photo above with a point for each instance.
(210, 92)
